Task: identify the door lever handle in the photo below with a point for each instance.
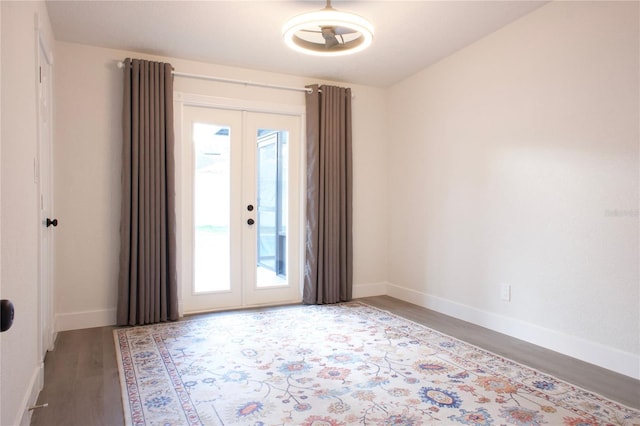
(50, 222)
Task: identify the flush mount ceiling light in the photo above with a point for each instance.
(328, 32)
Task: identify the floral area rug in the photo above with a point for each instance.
(346, 364)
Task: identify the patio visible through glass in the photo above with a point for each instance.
(272, 190)
(211, 208)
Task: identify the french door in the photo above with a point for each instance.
(244, 208)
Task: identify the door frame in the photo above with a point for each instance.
(182, 167)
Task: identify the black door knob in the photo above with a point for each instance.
(251, 221)
(53, 222)
(250, 207)
(6, 312)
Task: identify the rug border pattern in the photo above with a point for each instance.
(183, 396)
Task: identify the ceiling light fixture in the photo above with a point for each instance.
(328, 32)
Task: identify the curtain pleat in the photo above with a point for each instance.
(147, 282)
(328, 245)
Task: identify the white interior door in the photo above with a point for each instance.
(45, 160)
(242, 208)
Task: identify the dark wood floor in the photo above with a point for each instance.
(82, 385)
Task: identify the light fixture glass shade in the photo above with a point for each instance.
(328, 32)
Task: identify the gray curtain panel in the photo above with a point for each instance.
(329, 247)
(147, 283)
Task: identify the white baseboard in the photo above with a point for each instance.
(85, 319)
(23, 418)
(595, 353)
(369, 290)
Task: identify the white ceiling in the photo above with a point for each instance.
(409, 35)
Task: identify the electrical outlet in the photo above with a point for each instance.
(505, 292)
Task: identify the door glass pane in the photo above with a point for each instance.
(211, 207)
(272, 207)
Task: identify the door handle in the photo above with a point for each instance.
(50, 222)
(250, 207)
(250, 221)
(7, 312)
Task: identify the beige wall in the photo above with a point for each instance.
(21, 367)
(88, 96)
(515, 161)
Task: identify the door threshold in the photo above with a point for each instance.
(242, 309)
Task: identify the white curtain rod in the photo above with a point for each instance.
(232, 81)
